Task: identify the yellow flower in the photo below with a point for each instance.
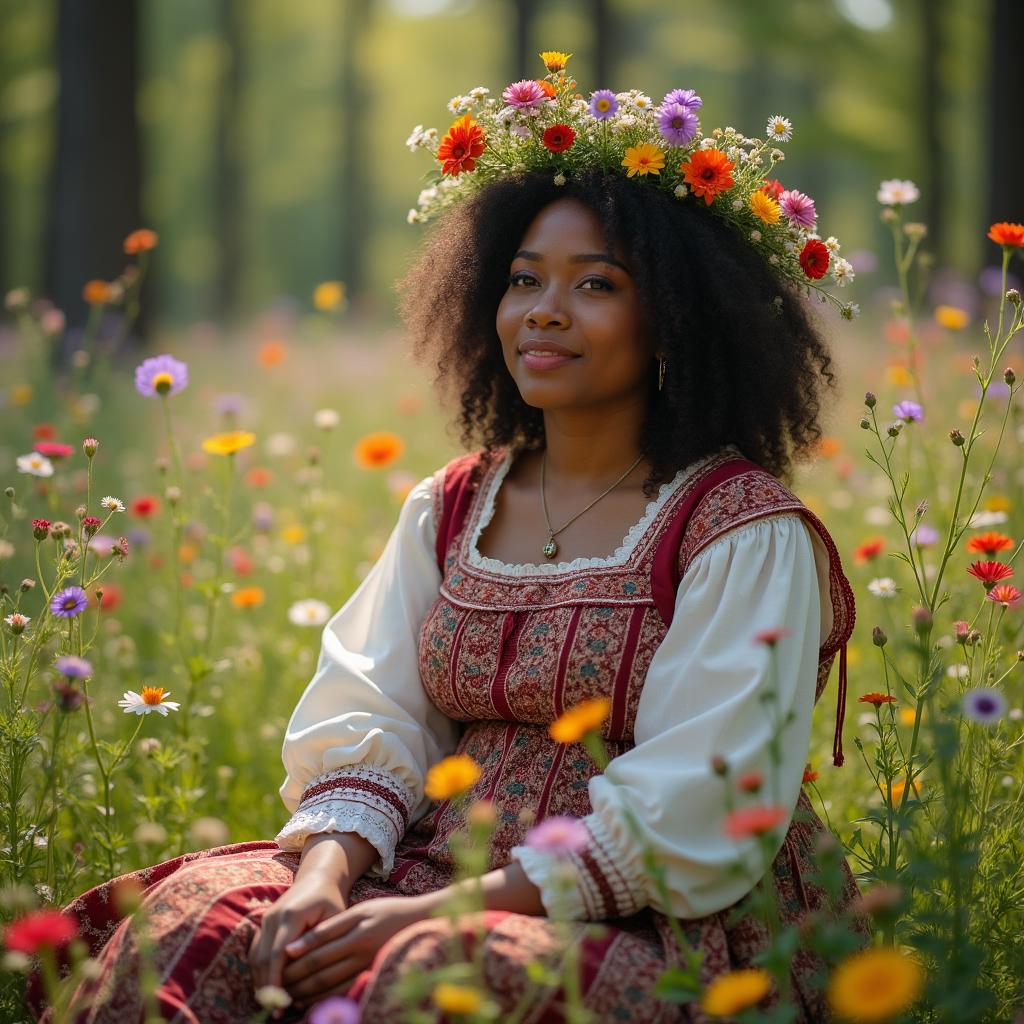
(997, 503)
(458, 999)
(735, 991)
(554, 60)
(643, 159)
(228, 443)
(572, 726)
(898, 375)
(764, 207)
(21, 394)
(898, 785)
(875, 984)
(452, 776)
(329, 296)
(294, 534)
(906, 715)
(952, 318)
(248, 597)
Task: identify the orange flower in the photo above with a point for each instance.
(989, 543)
(248, 597)
(575, 723)
(877, 699)
(748, 822)
(97, 293)
(707, 172)
(271, 353)
(140, 241)
(829, 446)
(258, 476)
(1008, 234)
(547, 88)
(375, 451)
(952, 317)
(451, 777)
(869, 550)
(460, 147)
(809, 775)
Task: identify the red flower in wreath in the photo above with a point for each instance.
(460, 147)
(814, 259)
(773, 188)
(559, 137)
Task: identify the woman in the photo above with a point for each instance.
(640, 377)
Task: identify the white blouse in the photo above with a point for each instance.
(364, 733)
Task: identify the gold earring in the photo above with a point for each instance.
(661, 372)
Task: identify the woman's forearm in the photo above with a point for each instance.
(343, 857)
(506, 888)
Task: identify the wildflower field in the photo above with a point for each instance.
(178, 525)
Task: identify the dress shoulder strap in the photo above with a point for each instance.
(454, 488)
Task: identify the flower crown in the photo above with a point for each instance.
(545, 125)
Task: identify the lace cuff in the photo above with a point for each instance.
(357, 798)
(592, 885)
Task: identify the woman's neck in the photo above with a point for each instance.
(592, 447)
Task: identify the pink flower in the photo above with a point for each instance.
(38, 930)
(559, 835)
(753, 821)
(53, 449)
(798, 208)
(771, 637)
(524, 94)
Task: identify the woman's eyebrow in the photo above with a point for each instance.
(583, 257)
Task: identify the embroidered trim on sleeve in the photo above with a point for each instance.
(607, 890)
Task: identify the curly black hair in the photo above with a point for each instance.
(745, 361)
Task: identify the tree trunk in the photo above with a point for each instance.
(97, 177)
(1005, 157)
(354, 190)
(600, 17)
(525, 58)
(228, 212)
(932, 103)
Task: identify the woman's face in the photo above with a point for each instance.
(567, 293)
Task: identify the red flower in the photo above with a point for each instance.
(53, 449)
(111, 598)
(753, 821)
(809, 775)
(44, 431)
(989, 543)
(750, 782)
(558, 138)
(38, 930)
(144, 506)
(1005, 233)
(240, 561)
(876, 699)
(1005, 594)
(460, 147)
(990, 573)
(773, 188)
(771, 637)
(869, 550)
(815, 258)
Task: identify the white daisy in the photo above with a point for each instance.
(36, 464)
(412, 216)
(309, 612)
(680, 191)
(842, 271)
(151, 699)
(832, 244)
(559, 179)
(112, 504)
(479, 92)
(986, 518)
(850, 310)
(326, 419)
(883, 586)
(460, 104)
(6, 549)
(894, 192)
(779, 128)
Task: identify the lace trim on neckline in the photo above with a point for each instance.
(620, 556)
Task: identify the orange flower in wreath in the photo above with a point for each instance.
(460, 147)
(1004, 233)
(708, 172)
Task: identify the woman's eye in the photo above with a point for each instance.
(597, 284)
(520, 278)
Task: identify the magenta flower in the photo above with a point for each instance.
(603, 104)
(73, 667)
(909, 412)
(161, 375)
(798, 208)
(523, 95)
(69, 602)
(677, 124)
(335, 1010)
(559, 835)
(684, 97)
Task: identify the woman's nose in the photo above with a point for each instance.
(541, 317)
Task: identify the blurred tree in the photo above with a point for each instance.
(933, 106)
(228, 207)
(1006, 88)
(97, 174)
(600, 17)
(522, 38)
(353, 106)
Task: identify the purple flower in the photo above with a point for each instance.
(73, 667)
(335, 1010)
(603, 104)
(69, 602)
(924, 536)
(523, 95)
(102, 545)
(909, 412)
(230, 404)
(677, 124)
(798, 208)
(139, 537)
(984, 705)
(684, 98)
(263, 516)
(558, 835)
(161, 375)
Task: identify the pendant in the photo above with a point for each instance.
(551, 548)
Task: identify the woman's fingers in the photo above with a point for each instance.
(318, 959)
(330, 979)
(267, 956)
(326, 931)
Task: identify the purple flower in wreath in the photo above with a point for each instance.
(677, 124)
(603, 104)
(684, 97)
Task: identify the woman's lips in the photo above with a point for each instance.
(546, 360)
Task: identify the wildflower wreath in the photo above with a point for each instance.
(545, 125)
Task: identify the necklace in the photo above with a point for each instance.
(551, 548)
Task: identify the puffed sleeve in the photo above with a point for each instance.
(364, 733)
(702, 697)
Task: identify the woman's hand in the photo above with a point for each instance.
(312, 899)
(329, 956)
